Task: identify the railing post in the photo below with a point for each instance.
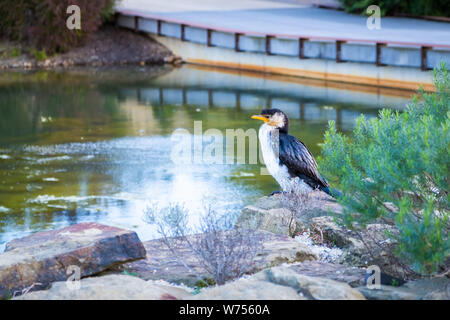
(159, 27)
(339, 50)
(184, 96)
(161, 97)
(238, 100)
(210, 99)
(183, 37)
(268, 47)
(136, 23)
(423, 58)
(208, 38)
(236, 42)
(378, 47)
(301, 48)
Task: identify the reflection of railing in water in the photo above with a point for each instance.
(282, 87)
(210, 98)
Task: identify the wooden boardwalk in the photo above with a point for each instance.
(286, 19)
(291, 39)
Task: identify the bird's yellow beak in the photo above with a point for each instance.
(259, 117)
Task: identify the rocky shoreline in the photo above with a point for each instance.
(114, 264)
(109, 46)
(318, 219)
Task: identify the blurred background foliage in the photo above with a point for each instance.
(42, 23)
(440, 8)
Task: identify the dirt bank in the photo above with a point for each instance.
(109, 46)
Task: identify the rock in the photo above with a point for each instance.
(249, 289)
(278, 220)
(169, 59)
(177, 61)
(323, 249)
(272, 213)
(281, 283)
(353, 276)
(269, 202)
(316, 288)
(388, 293)
(161, 263)
(376, 249)
(110, 287)
(336, 234)
(44, 257)
(355, 253)
(279, 249)
(423, 289)
(438, 295)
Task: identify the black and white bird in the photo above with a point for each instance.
(287, 159)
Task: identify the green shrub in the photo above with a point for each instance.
(395, 168)
(15, 52)
(12, 52)
(39, 55)
(393, 7)
(42, 23)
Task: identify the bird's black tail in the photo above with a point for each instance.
(331, 191)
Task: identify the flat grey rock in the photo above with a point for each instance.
(35, 261)
(110, 287)
(281, 283)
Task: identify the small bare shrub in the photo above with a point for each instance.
(296, 201)
(221, 250)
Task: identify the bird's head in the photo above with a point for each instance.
(274, 118)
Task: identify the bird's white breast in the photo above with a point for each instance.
(269, 142)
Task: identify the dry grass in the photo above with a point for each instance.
(222, 251)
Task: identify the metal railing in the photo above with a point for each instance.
(301, 39)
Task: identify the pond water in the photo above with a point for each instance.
(95, 144)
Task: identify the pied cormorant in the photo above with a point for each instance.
(287, 159)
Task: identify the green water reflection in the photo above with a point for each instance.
(94, 145)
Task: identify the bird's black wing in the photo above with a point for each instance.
(299, 161)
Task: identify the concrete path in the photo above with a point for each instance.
(271, 17)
